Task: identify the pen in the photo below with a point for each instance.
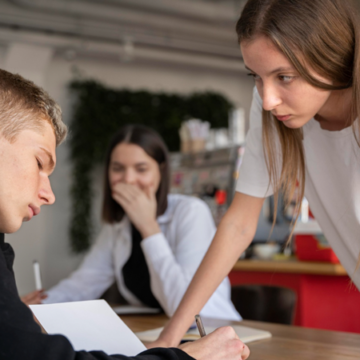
(38, 284)
(200, 325)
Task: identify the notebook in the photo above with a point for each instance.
(246, 334)
(89, 325)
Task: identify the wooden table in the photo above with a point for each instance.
(291, 267)
(287, 342)
(326, 299)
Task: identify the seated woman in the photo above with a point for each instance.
(152, 241)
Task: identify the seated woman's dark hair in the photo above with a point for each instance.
(151, 142)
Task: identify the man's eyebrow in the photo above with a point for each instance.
(51, 160)
(279, 69)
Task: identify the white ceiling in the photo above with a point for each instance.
(187, 30)
(200, 26)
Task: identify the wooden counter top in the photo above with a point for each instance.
(290, 266)
(287, 342)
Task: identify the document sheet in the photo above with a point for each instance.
(132, 309)
(246, 334)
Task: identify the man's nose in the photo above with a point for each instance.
(46, 194)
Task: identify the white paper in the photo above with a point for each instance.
(131, 309)
(246, 334)
(89, 325)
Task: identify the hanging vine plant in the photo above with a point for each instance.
(99, 111)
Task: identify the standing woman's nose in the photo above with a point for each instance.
(270, 95)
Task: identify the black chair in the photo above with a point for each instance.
(113, 296)
(264, 303)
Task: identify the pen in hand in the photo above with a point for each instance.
(200, 325)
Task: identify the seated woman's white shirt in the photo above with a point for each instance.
(172, 256)
(332, 186)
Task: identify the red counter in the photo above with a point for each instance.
(326, 298)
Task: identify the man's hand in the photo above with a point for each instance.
(222, 344)
(157, 343)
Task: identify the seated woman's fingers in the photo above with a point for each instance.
(43, 295)
(34, 297)
(127, 192)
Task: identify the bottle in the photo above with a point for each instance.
(220, 199)
(304, 212)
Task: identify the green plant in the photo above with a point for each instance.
(99, 111)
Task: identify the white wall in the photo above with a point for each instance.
(45, 238)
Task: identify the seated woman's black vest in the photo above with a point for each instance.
(136, 273)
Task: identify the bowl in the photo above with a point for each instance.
(266, 251)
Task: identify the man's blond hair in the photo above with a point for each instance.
(24, 105)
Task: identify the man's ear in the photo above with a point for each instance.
(3, 138)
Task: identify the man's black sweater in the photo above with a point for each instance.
(21, 337)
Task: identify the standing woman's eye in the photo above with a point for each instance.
(286, 78)
(254, 76)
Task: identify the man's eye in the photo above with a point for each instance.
(39, 164)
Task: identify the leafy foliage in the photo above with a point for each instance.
(98, 113)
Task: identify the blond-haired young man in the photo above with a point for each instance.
(30, 129)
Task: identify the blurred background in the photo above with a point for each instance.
(163, 46)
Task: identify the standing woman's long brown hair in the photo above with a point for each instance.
(323, 35)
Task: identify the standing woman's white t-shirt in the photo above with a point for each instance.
(332, 185)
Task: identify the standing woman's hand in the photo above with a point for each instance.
(139, 205)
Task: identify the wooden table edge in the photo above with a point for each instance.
(294, 267)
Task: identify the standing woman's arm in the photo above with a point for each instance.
(234, 234)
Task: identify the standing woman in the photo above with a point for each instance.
(304, 56)
(152, 241)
